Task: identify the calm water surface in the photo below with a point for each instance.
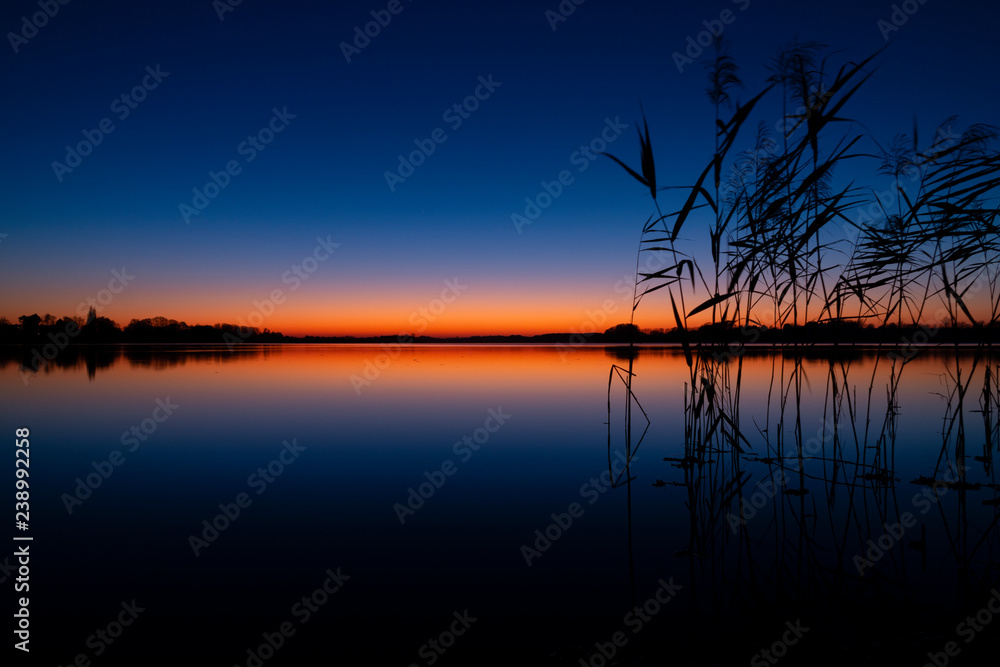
(422, 476)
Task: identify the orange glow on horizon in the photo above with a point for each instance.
(421, 310)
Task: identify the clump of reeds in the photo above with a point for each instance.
(786, 248)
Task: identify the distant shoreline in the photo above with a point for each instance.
(587, 344)
(848, 334)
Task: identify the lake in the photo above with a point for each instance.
(451, 504)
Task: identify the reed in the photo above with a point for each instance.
(767, 234)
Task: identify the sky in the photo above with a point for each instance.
(291, 121)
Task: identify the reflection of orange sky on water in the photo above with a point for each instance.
(421, 380)
(429, 395)
(416, 368)
(315, 366)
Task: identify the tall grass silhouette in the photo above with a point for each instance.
(766, 236)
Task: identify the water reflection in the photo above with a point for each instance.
(761, 483)
(810, 505)
(31, 363)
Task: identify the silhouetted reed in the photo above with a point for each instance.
(785, 249)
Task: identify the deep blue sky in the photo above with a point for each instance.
(324, 174)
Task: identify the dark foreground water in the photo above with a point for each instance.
(451, 505)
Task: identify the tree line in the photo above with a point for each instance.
(94, 329)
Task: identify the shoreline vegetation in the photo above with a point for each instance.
(36, 331)
(778, 228)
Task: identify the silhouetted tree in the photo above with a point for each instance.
(99, 329)
(29, 325)
(623, 333)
